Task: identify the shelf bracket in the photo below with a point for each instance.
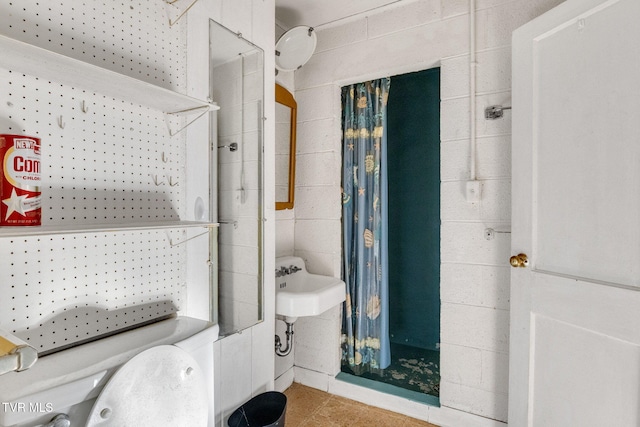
(201, 111)
(174, 244)
(178, 243)
(176, 9)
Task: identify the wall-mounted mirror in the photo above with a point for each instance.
(237, 85)
(286, 113)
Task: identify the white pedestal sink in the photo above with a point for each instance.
(300, 293)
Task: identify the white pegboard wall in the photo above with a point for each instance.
(131, 37)
(114, 163)
(109, 164)
(65, 289)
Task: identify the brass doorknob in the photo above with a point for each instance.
(519, 260)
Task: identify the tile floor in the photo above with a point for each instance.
(309, 407)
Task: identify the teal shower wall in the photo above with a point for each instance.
(414, 208)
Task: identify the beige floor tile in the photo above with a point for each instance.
(304, 401)
(412, 422)
(337, 408)
(294, 419)
(308, 407)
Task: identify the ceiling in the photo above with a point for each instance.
(314, 13)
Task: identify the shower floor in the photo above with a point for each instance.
(411, 368)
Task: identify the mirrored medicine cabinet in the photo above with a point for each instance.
(237, 85)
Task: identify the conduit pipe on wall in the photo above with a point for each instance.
(243, 193)
(473, 185)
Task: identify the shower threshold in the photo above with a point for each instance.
(389, 389)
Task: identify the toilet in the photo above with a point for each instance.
(155, 375)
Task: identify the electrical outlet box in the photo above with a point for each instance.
(473, 191)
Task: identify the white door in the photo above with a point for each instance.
(575, 308)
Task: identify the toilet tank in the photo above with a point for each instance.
(69, 381)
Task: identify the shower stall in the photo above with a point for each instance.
(413, 170)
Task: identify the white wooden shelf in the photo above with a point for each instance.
(21, 57)
(35, 61)
(44, 230)
(117, 186)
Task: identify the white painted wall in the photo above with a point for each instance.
(285, 226)
(410, 36)
(285, 219)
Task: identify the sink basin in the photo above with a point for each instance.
(300, 293)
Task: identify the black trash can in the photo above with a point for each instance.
(265, 410)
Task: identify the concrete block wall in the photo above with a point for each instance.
(285, 241)
(285, 219)
(409, 36)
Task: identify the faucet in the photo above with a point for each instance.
(294, 269)
(282, 271)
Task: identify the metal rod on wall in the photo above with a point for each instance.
(495, 112)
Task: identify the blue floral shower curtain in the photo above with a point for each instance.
(365, 328)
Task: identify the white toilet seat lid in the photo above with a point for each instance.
(162, 386)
